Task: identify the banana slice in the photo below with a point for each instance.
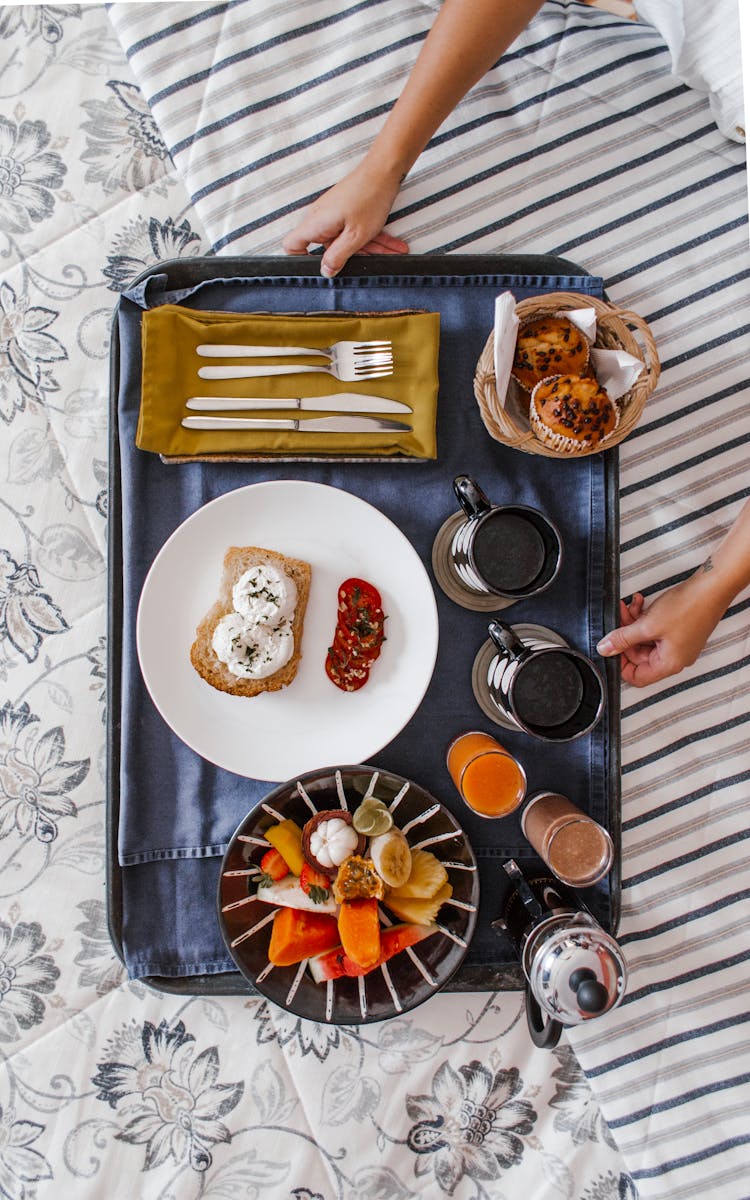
(391, 855)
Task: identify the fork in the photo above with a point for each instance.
(348, 360)
(357, 371)
(355, 348)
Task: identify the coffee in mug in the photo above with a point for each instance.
(512, 551)
(545, 689)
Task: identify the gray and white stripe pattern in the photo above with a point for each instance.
(580, 143)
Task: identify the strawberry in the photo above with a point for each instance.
(315, 884)
(272, 867)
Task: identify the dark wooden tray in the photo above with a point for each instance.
(186, 273)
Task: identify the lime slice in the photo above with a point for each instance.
(372, 818)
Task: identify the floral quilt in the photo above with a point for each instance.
(108, 1087)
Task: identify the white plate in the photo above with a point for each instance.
(310, 723)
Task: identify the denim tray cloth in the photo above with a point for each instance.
(177, 812)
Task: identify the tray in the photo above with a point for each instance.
(504, 973)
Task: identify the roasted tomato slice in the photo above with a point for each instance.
(358, 594)
(346, 663)
(362, 637)
(359, 634)
(345, 678)
(368, 635)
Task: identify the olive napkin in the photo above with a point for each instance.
(171, 335)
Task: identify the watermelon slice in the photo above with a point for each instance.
(333, 964)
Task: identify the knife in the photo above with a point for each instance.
(343, 424)
(341, 402)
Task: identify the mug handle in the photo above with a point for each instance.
(505, 639)
(470, 496)
(545, 1031)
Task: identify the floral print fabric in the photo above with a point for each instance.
(104, 1080)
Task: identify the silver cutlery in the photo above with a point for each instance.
(340, 424)
(341, 402)
(337, 350)
(371, 368)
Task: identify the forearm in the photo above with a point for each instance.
(727, 570)
(669, 634)
(467, 38)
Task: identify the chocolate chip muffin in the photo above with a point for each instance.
(569, 412)
(549, 346)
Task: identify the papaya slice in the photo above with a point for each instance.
(297, 934)
(334, 964)
(359, 929)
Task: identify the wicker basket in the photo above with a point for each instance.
(505, 419)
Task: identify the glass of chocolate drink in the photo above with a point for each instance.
(576, 848)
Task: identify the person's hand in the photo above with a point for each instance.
(349, 219)
(661, 640)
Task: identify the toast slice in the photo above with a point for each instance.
(237, 560)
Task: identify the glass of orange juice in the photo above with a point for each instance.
(487, 777)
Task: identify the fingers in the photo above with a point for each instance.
(620, 640)
(643, 673)
(639, 674)
(631, 610)
(307, 233)
(374, 248)
(640, 653)
(339, 251)
(349, 242)
(340, 237)
(295, 243)
(385, 243)
(635, 608)
(650, 662)
(317, 226)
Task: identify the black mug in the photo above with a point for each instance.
(511, 550)
(543, 688)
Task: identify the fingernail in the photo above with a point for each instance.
(604, 646)
(326, 270)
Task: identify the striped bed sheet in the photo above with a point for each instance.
(580, 143)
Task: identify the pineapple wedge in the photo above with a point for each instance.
(417, 912)
(427, 877)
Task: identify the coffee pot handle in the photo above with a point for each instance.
(470, 496)
(505, 639)
(545, 1031)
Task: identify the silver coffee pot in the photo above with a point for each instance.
(575, 971)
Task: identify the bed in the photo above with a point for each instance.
(136, 134)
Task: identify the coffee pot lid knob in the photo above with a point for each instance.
(578, 973)
(591, 993)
